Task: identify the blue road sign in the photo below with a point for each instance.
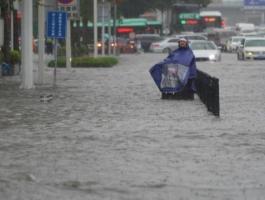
(254, 2)
(56, 24)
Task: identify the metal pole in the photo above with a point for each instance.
(68, 44)
(103, 29)
(114, 28)
(56, 62)
(41, 41)
(12, 29)
(27, 54)
(95, 28)
(109, 43)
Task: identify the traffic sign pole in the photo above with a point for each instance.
(56, 29)
(56, 63)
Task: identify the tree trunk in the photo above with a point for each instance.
(7, 32)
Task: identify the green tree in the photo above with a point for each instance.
(5, 12)
(129, 8)
(133, 8)
(86, 10)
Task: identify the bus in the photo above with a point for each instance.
(185, 18)
(211, 19)
(188, 17)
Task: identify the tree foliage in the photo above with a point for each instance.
(129, 8)
(86, 9)
(133, 8)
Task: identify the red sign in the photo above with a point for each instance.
(65, 1)
(124, 30)
(192, 22)
(209, 19)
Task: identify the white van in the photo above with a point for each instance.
(245, 27)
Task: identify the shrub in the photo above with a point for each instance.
(15, 57)
(86, 61)
(61, 51)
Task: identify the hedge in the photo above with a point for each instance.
(86, 62)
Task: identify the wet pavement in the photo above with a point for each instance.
(106, 134)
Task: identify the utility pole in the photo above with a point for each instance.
(95, 28)
(41, 41)
(27, 52)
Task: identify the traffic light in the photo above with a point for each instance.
(183, 22)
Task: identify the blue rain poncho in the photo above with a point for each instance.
(172, 74)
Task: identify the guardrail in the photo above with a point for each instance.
(208, 91)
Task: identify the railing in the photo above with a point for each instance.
(208, 91)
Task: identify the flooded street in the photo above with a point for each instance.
(107, 135)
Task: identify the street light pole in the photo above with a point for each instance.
(41, 41)
(95, 28)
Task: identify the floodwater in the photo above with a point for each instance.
(107, 135)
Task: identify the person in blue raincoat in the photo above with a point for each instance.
(175, 76)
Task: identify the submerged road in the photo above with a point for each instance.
(107, 135)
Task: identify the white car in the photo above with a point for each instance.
(205, 50)
(251, 48)
(233, 43)
(166, 45)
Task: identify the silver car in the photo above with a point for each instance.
(166, 45)
(252, 48)
(205, 50)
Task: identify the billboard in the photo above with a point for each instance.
(256, 4)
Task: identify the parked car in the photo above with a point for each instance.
(233, 43)
(205, 50)
(147, 39)
(251, 48)
(165, 45)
